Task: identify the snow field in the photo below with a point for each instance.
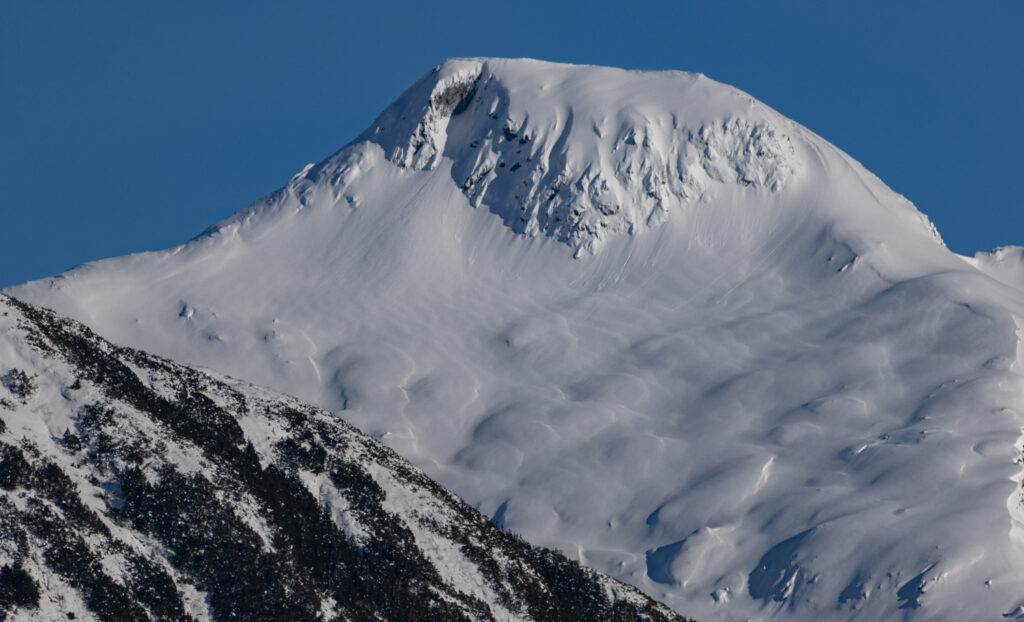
(763, 387)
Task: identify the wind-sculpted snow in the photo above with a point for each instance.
(563, 154)
(781, 398)
(135, 489)
(1004, 264)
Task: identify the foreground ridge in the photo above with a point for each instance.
(135, 488)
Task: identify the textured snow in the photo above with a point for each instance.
(422, 509)
(38, 421)
(1005, 264)
(686, 340)
(482, 571)
(605, 162)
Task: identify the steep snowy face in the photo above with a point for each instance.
(583, 153)
(677, 336)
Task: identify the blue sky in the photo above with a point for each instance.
(130, 126)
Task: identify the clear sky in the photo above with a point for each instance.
(129, 126)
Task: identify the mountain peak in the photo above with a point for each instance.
(581, 153)
(745, 401)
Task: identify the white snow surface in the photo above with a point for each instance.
(685, 340)
(1005, 264)
(45, 395)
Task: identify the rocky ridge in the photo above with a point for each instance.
(132, 488)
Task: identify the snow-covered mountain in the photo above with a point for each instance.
(132, 488)
(642, 318)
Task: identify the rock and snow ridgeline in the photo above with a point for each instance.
(132, 488)
(576, 173)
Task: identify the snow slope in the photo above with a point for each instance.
(640, 317)
(1005, 264)
(135, 489)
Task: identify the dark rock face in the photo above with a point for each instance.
(132, 488)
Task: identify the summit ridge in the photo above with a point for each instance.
(579, 153)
